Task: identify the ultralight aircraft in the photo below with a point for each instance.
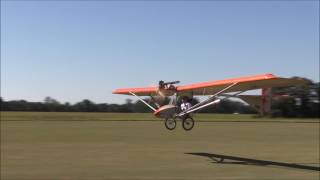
(216, 90)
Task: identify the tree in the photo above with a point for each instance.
(85, 106)
(51, 104)
(49, 100)
(302, 101)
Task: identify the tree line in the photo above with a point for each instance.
(52, 105)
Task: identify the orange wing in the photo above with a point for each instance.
(212, 87)
(144, 91)
(243, 84)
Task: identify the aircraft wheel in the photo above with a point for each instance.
(170, 123)
(187, 123)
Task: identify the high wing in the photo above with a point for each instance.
(140, 91)
(212, 87)
(240, 84)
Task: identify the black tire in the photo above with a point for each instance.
(170, 123)
(187, 123)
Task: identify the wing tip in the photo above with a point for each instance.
(116, 91)
(270, 75)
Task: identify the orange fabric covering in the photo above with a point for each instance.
(135, 90)
(226, 81)
(211, 87)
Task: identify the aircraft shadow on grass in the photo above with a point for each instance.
(221, 159)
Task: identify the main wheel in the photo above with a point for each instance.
(170, 123)
(187, 123)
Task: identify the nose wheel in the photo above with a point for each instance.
(170, 123)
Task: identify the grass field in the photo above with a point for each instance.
(137, 146)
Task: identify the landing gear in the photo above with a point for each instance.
(187, 123)
(170, 123)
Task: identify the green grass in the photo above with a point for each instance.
(103, 146)
(83, 116)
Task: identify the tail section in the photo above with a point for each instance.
(261, 103)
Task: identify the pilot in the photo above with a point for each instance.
(161, 84)
(185, 104)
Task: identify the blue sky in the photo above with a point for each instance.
(75, 50)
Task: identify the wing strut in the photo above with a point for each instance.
(211, 100)
(143, 101)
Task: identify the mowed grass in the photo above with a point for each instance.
(137, 146)
(84, 116)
